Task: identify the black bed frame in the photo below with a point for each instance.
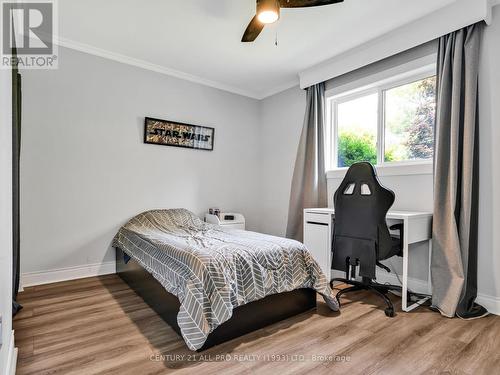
(245, 319)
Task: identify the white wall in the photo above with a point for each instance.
(5, 217)
(85, 169)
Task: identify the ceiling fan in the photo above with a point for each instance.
(268, 11)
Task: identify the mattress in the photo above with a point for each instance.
(212, 270)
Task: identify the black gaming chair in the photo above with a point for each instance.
(361, 236)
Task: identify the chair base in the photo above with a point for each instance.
(379, 289)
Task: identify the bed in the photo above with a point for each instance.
(212, 284)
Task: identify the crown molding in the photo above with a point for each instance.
(91, 50)
(278, 89)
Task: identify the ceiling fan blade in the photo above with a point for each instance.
(253, 30)
(306, 3)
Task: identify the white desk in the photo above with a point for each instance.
(318, 232)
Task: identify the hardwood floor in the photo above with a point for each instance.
(100, 326)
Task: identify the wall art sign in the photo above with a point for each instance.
(171, 133)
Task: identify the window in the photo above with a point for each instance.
(357, 130)
(389, 122)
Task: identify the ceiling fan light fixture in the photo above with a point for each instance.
(268, 16)
(268, 11)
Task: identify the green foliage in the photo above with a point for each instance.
(389, 155)
(410, 116)
(420, 141)
(356, 147)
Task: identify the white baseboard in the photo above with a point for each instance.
(69, 273)
(491, 303)
(415, 285)
(13, 362)
(11, 365)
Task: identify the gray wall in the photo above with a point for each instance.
(281, 120)
(5, 215)
(489, 190)
(85, 169)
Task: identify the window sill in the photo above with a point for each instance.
(391, 169)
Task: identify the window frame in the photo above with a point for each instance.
(422, 166)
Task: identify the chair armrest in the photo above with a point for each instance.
(398, 227)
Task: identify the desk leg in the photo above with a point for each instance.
(404, 292)
(429, 278)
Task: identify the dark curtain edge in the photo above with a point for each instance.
(16, 154)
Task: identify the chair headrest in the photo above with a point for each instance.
(361, 179)
(361, 170)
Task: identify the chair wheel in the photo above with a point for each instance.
(390, 312)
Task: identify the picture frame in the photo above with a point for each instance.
(178, 134)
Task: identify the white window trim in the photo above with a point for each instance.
(409, 168)
(404, 74)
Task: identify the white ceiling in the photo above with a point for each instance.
(200, 39)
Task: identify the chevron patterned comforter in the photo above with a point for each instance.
(212, 271)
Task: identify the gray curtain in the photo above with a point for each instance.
(456, 176)
(309, 177)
